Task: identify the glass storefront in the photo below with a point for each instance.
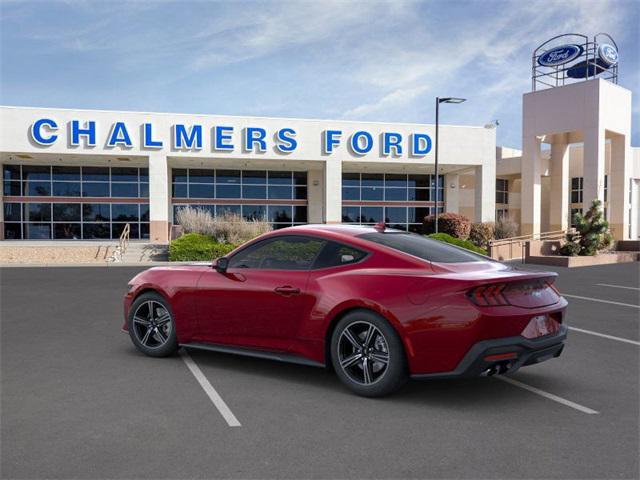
(401, 200)
(278, 196)
(61, 202)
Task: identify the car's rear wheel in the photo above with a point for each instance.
(367, 354)
(151, 325)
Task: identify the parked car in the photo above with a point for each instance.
(376, 305)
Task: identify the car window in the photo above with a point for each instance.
(283, 253)
(423, 247)
(335, 254)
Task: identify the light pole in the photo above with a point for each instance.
(438, 102)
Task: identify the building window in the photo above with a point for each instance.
(573, 212)
(119, 196)
(278, 196)
(390, 187)
(502, 190)
(576, 190)
(502, 213)
(606, 187)
(368, 198)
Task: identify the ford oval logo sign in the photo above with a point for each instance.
(560, 55)
(608, 54)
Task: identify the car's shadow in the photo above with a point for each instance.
(452, 393)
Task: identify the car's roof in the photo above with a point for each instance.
(346, 230)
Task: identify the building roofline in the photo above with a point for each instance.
(18, 107)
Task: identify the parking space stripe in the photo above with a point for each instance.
(548, 395)
(601, 301)
(217, 400)
(603, 335)
(616, 286)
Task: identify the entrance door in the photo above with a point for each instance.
(261, 299)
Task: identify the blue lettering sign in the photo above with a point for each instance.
(255, 136)
(331, 139)
(560, 55)
(420, 144)
(286, 140)
(608, 54)
(89, 131)
(359, 147)
(391, 140)
(186, 139)
(147, 137)
(36, 131)
(119, 136)
(222, 137)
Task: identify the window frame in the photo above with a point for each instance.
(271, 239)
(367, 254)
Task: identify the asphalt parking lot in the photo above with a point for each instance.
(78, 401)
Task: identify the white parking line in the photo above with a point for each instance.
(217, 400)
(601, 301)
(616, 286)
(610, 337)
(548, 395)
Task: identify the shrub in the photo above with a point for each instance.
(452, 224)
(197, 247)
(466, 244)
(591, 235)
(225, 228)
(481, 233)
(570, 249)
(505, 227)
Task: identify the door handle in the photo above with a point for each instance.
(287, 290)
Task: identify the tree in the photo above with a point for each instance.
(591, 235)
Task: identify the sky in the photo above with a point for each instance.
(344, 60)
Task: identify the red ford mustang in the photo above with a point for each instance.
(378, 305)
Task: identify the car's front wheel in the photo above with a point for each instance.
(367, 354)
(151, 325)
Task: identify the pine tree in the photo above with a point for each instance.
(592, 233)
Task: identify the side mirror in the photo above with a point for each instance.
(221, 264)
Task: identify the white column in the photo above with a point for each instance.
(159, 198)
(333, 191)
(485, 192)
(618, 188)
(451, 194)
(531, 189)
(315, 195)
(593, 167)
(559, 195)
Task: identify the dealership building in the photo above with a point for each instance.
(85, 174)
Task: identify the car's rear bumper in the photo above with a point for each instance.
(500, 355)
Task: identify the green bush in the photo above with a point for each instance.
(591, 235)
(453, 224)
(466, 244)
(197, 247)
(481, 233)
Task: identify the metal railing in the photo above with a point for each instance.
(123, 244)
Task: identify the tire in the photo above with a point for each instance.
(154, 335)
(361, 343)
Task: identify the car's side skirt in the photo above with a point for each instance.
(251, 352)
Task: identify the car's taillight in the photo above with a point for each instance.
(488, 295)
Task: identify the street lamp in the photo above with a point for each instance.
(438, 102)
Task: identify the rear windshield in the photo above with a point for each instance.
(423, 247)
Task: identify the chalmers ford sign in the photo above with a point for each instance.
(221, 138)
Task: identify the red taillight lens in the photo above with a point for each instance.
(488, 295)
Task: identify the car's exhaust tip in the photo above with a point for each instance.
(499, 368)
